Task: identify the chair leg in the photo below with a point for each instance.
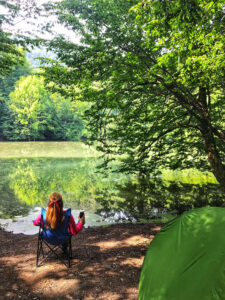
(69, 264)
(37, 258)
(70, 248)
(52, 250)
(42, 251)
(39, 249)
(69, 253)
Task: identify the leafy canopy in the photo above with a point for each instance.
(153, 72)
(13, 38)
(40, 115)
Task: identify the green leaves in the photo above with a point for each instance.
(191, 31)
(13, 40)
(150, 71)
(41, 115)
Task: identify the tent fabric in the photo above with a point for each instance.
(186, 259)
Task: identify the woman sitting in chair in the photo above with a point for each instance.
(55, 216)
(56, 228)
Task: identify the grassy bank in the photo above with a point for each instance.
(46, 149)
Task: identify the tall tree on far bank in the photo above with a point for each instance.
(7, 85)
(154, 72)
(26, 102)
(40, 115)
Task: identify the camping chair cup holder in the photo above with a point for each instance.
(55, 242)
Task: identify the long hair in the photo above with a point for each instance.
(54, 214)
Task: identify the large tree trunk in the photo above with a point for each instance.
(211, 151)
(199, 109)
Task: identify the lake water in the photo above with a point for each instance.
(31, 171)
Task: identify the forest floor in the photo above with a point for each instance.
(106, 264)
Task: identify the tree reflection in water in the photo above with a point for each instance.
(31, 181)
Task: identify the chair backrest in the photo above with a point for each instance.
(58, 235)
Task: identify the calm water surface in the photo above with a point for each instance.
(30, 172)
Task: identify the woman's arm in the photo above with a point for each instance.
(75, 228)
(38, 221)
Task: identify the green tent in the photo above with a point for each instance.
(186, 259)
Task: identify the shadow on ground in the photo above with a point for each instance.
(106, 264)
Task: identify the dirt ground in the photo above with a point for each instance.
(106, 264)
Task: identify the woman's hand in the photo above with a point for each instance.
(82, 219)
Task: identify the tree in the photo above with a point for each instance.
(8, 81)
(14, 39)
(26, 103)
(4, 114)
(154, 72)
(10, 54)
(40, 115)
(7, 85)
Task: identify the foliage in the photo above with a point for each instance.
(32, 113)
(154, 74)
(12, 59)
(41, 115)
(7, 82)
(9, 53)
(13, 12)
(7, 85)
(26, 102)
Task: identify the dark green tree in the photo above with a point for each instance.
(154, 73)
(7, 85)
(8, 81)
(4, 116)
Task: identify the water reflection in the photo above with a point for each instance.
(139, 197)
(27, 183)
(9, 204)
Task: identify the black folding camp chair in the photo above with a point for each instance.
(53, 241)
